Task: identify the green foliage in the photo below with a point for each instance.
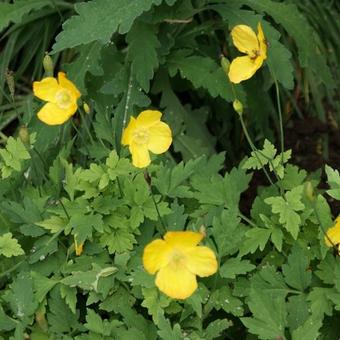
(14, 12)
(267, 156)
(9, 246)
(73, 188)
(334, 182)
(143, 45)
(92, 23)
(288, 208)
(12, 157)
(265, 323)
(202, 72)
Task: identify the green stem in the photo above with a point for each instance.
(120, 188)
(279, 110)
(3, 137)
(245, 131)
(81, 136)
(64, 208)
(254, 148)
(11, 269)
(86, 126)
(163, 229)
(245, 218)
(278, 102)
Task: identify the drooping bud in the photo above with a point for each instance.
(225, 64)
(86, 108)
(48, 65)
(10, 83)
(238, 107)
(309, 190)
(78, 247)
(203, 230)
(24, 134)
(40, 318)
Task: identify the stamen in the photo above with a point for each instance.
(63, 99)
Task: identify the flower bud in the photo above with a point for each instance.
(10, 82)
(78, 248)
(203, 230)
(238, 107)
(309, 191)
(48, 65)
(86, 108)
(225, 65)
(24, 134)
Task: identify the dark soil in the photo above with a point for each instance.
(309, 140)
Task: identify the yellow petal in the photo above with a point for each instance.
(183, 238)
(67, 84)
(201, 261)
(176, 281)
(262, 40)
(140, 155)
(156, 255)
(245, 39)
(51, 114)
(243, 68)
(127, 133)
(148, 118)
(333, 234)
(160, 138)
(46, 89)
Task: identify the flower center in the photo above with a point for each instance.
(63, 98)
(140, 136)
(255, 54)
(177, 258)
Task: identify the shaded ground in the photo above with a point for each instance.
(314, 144)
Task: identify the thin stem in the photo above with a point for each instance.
(11, 269)
(58, 11)
(148, 181)
(255, 150)
(127, 102)
(86, 126)
(81, 136)
(245, 218)
(3, 137)
(278, 102)
(64, 208)
(120, 188)
(43, 162)
(279, 110)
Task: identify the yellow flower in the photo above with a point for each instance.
(332, 237)
(177, 260)
(61, 96)
(246, 41)
(146, 133)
